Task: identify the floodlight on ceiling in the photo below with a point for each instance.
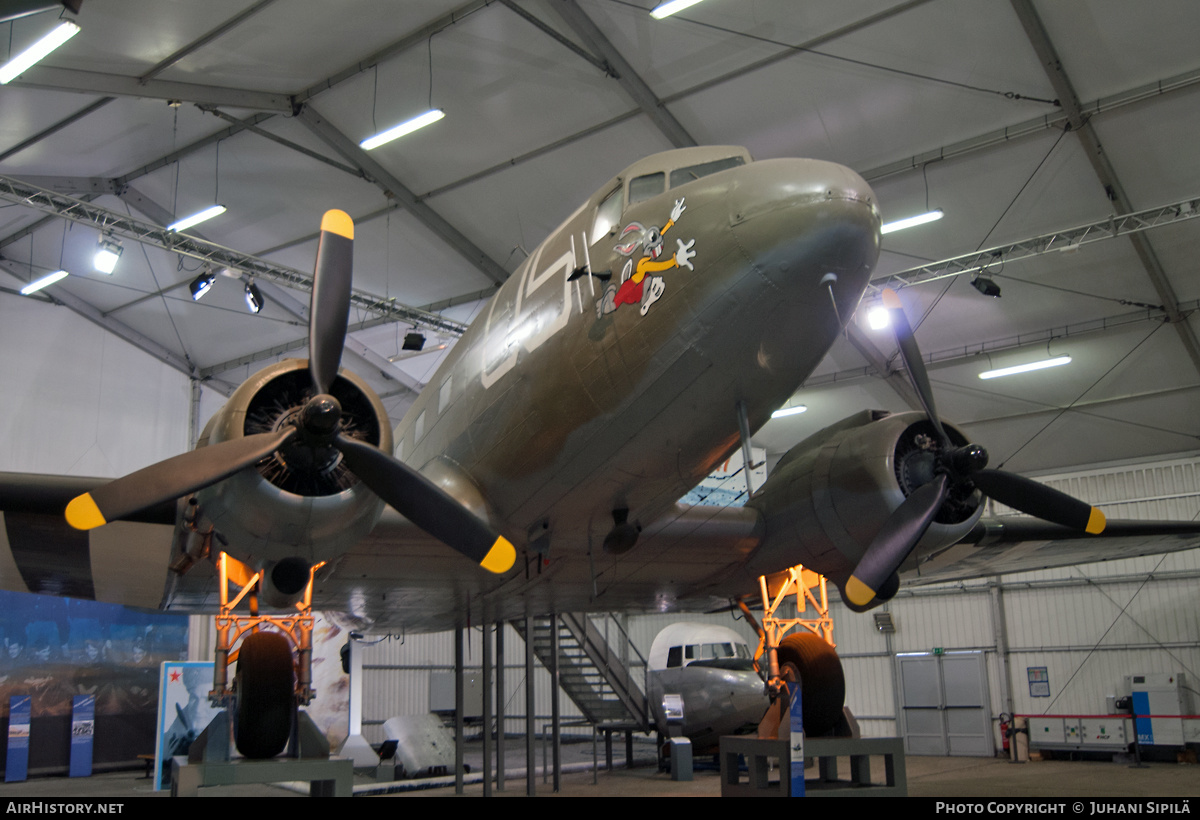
(784, 412)
(912, 221)
(413, 341)
(879, 318)
(201, 285)
(65, 30)
(1058, 361)
(48, 279)
(196, 218)
(986, 286)
(254, 298)
(107, 255)
(398, 131)
(673, 6)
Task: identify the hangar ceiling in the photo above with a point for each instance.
(1036, 126)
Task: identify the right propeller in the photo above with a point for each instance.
(316, 427)
(953, 467)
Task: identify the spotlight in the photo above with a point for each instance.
(986, 286)
(667, 9)
(878, 318)
(106, 258)
(413, 341)
(254, 299)
(201, 284)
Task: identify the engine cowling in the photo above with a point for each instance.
(831, 493)
(301, 502)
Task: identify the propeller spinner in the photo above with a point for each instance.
(954, 467)
(317, 425)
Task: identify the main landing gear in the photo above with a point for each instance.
(805, 656)
(273, 676)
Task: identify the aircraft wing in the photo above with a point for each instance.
(399, 577)
(1008, 544)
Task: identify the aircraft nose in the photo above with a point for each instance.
(800, 219)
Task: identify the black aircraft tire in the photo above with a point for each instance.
(822, 683)
(265, 684)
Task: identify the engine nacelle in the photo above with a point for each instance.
(299, 502)
(831, 493)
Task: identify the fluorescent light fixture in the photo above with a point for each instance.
(106, 258)
(254, 299)
(398, 131)
(196, 219)
(667, 9)
(878, 318)
(1025, 368)
(64, 31)
(912, 221)
(789, 411)
(48, 279)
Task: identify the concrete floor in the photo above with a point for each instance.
(927, 777)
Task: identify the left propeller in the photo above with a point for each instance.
(318, 425)
(954, 468)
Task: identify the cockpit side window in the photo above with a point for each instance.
(647, 186)
(607, 215)
(682, 176)
(675, 657)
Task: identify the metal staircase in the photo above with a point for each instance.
(590, 670)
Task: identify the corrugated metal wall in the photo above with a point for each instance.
(1088, 625)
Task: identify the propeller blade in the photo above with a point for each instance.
(1038, 500)
(329, 309)
(895, 541)
(171, 479)
(421, 501)
(913, 363)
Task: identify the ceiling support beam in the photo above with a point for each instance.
(633, 85)
(1065, 241)
(550, 32)
(70, 119)
(1037, 338)
(60, 295)
(882, 367)
(222, 29)
(262, 132)
(126, 227)
(1052, 65)
(393, 188)
(118, 85)
(1056, 121)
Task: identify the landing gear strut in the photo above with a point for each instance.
(269, 687)
(806, 656)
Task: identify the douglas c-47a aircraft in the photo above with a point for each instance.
(659, 325)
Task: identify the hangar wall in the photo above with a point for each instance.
(1089, 625)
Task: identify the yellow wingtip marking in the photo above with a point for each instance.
(1096, 522)
(338, 222)
(83, 514)
(500, 557)
(859, 593)
(891, 300)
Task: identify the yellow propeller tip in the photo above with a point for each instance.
(859, 593)
(891, 300)
(338, 222)
(1096, 522)
(83, 514)
(500, 557)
